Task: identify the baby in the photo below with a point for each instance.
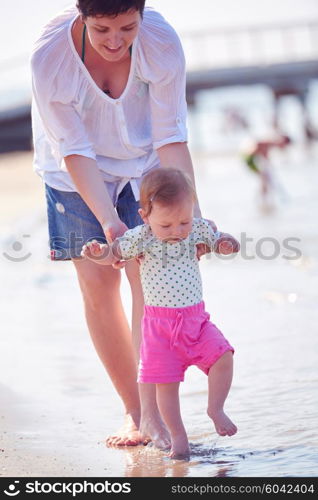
(176, 330)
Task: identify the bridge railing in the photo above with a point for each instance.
(204, 49)
(251, 45)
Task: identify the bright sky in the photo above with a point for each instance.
(21, 21)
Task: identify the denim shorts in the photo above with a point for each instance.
(72, 223)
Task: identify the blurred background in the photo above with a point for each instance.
(252, 91)
(243, 64)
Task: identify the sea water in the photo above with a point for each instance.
(264, 300)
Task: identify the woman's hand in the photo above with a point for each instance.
(113, 230)
(226, 244)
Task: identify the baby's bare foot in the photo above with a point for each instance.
(179, 447)
(223, 424)
(153, 429)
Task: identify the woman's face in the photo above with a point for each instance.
(111, 37)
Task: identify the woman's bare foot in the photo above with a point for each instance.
(180, 447)
(153, 429)
(127, 435)
(223, 424)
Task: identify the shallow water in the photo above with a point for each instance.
(58, 404)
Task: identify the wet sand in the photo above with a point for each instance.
(58, 404)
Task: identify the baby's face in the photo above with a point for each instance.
(171, 223)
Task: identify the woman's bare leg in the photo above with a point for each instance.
(220, 379)
(151, 424)
(169, 406)
(110, 333)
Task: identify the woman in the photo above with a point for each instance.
(109, 105)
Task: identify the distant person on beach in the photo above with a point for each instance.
(256, 157)
(108, 106)
(233, 120)
(176, 331)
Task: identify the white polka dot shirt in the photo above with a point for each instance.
(170, 274)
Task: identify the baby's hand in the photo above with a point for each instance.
(93, 250)
(226, 244)
(101, 253)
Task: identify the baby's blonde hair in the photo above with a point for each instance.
(166, 186)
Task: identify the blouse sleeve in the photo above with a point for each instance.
(162, 65)
(167, 99)
(61, 121)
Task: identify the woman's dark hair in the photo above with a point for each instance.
(95, 8)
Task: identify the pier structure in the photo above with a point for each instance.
(283, 57)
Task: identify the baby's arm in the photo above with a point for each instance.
(102, 253)
(128, 246)
(214, 240)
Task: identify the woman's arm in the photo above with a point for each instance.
(90, 185)
(177, 155)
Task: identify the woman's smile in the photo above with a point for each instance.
(113, 50)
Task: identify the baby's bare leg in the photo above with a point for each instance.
(151, 425)
(220, 379)
(169, 407)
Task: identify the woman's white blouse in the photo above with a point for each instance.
(72, 115)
